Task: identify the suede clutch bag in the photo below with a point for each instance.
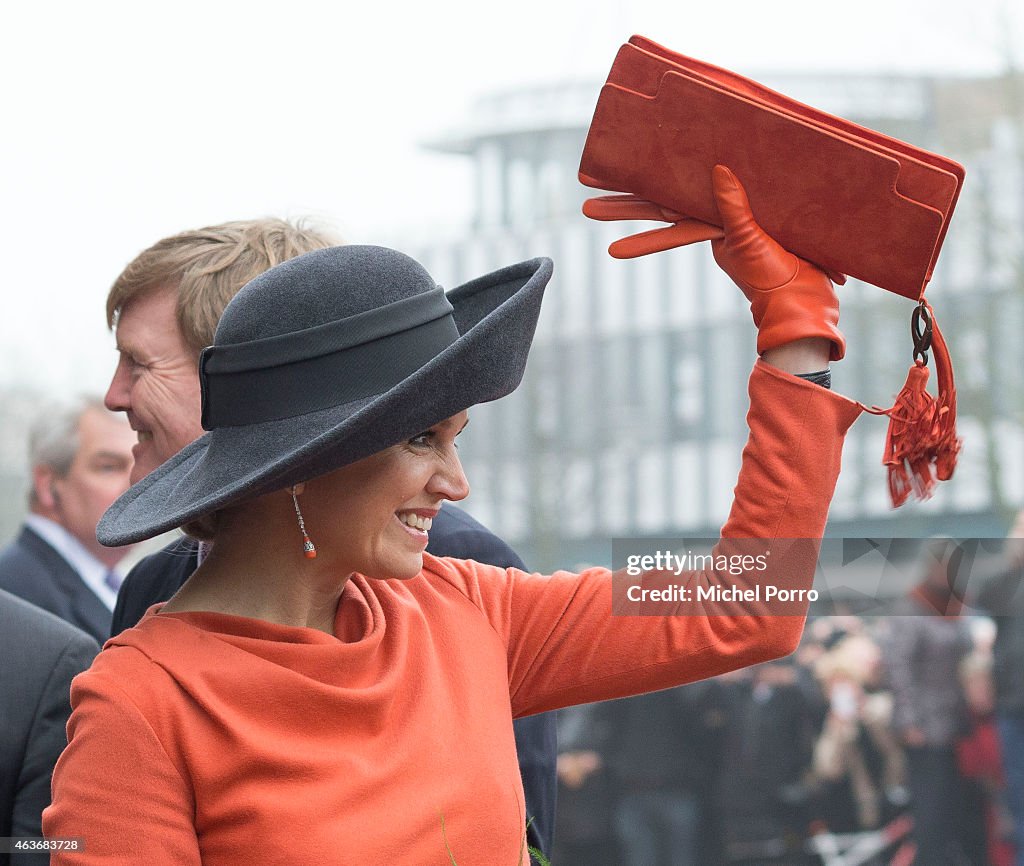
(847, 198)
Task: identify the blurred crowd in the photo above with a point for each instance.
(877, 742)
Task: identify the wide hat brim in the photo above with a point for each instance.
(496, 316)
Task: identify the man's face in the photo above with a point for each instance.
(156, 383)
(98, 475)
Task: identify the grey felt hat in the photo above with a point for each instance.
(329, 358)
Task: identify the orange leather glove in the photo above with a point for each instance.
(790, 298)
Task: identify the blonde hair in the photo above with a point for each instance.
(207, 267)
(854, 657)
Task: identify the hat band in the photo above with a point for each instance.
(233, 398)
(330, 336)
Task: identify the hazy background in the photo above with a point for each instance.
(124, 122)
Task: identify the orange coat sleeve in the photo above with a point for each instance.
(565, 645)
(115, 775)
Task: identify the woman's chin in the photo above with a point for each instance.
(404, 568)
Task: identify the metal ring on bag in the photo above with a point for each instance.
(921, 332)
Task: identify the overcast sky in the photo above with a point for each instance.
(125, 122)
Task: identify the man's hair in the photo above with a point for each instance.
(208, 266)
(53, 439)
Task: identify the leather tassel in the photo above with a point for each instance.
(947, 444)
(911, 421)
(921, 444)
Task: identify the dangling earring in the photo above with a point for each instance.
(308, 548)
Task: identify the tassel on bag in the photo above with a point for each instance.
(921, 444)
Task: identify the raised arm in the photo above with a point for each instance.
(577, 638)
(787, 478)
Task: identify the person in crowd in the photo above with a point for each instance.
(762, 795)
(321, 681)
(986, 823)
(41, 653)
(586, 791)
(858, 761)
(925, 641)
(80, 456)
(664, 751)
(812, 647)
(166, 305)
(1002, 596)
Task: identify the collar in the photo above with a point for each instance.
(92, 572)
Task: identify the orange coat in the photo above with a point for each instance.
(216, 739)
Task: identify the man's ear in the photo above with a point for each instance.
(44, 484)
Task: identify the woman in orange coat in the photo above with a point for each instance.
(321, 690)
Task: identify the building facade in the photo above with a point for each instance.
(630, 419)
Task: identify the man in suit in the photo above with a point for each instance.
(81, 457)
(40, 656)
(164, 308)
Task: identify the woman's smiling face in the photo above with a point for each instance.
(373, 516)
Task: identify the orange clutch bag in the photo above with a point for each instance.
(847, 198)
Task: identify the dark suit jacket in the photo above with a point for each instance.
(454, 533)
(40, 654)
(31, 569)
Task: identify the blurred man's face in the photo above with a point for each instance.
(98, 475)
(156, 383)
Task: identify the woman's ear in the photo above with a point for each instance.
(297, 488)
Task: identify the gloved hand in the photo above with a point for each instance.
(683, 231)
(790, 298)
